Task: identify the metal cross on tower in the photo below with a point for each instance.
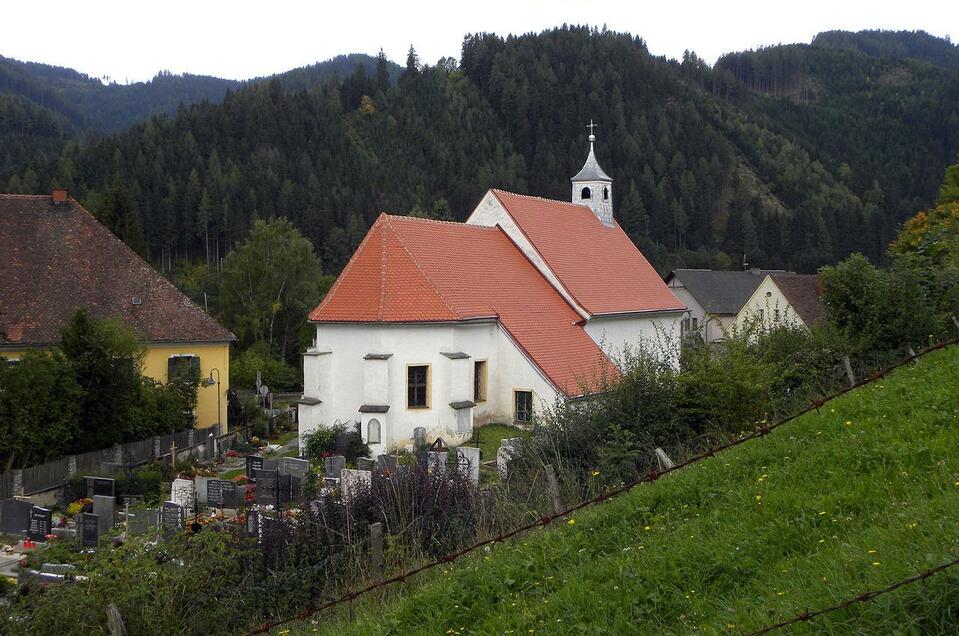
(591, 125)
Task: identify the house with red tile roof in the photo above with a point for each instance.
(438, 326)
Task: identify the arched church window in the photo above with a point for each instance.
(605, 194)
(373, 432)
(585, 194)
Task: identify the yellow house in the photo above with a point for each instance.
(55, 258)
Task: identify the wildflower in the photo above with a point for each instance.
(876, 563)
(595, 473)
(822, 513)
(872, 552)
(647, 528)
(848, 423)
(571, 522)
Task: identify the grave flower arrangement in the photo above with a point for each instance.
(232, 453)
(76, 507)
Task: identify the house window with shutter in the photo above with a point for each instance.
(418, 386)
(523, 401)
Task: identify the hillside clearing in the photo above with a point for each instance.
(852, 498)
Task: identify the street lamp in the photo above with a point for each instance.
(210, 382)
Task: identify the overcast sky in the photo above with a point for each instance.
(132, 40)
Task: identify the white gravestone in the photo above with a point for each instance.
(468, 463)
(182, 493)
(352, 482)
(505, 453)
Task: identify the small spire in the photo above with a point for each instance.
(591, 126)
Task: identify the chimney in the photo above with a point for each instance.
(755, 271)
(59, 195)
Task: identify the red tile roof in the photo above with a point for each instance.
(598, 264)
(55, 259)
(415, 270)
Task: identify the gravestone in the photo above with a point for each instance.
(183, 492)
(419, 438)
(504, 454)
(200, 484)
(253, 464)
(273, 540)
(334, 465)
(106, 509)
(468, 463)
(41, 523)
(221, 493)
(436, 462)
(267, 487)
(253, 523)
(101, 486)
(362, 463)
(89, 530)
(296, 487)
(293, 466)
(141, 520)
(172, 518)
(354, 482)
(15, 516)
(388, 462)
(331, 483)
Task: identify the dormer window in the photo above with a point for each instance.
(605, 194)
(586, 194)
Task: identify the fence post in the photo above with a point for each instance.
(115, 622)
(156, 447)
(849, 374)
(71, 466)
(117, 454)
(17, 482)
(553, 486)
(955, 321)
(664, 460)
(189, 439)
(376, 548)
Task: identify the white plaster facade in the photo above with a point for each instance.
(769, 307)
(341, 378)
(711, 327)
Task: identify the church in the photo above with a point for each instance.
(443, 326)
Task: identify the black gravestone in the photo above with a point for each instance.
(253, 523)
(267, 487)
(172, 518)
(221, 493)
(273, 540)
(15, 516)
(89, 530)
(41, 523)
(101, 486)
(253, 464)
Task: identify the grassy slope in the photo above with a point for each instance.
(861, 495)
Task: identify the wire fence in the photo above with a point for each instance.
(649, 477)
(864, 597)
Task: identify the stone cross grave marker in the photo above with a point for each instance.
(41, 523)
(105, 508)
(89, 530)
(182, 493)
(172, 518)
(355, 481)
(468, 463)
(15, 516)
(101, 486)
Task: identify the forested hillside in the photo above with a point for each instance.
(792, 156)
(915, 45)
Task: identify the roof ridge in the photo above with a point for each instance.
(536, 198)
(6, 195)
(406, 217)
(426, 276)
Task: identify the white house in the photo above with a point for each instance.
(439, 325)
(715, 298)
(784, 299)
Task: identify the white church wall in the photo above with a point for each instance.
(661, 331)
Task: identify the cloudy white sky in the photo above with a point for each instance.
(132, 40)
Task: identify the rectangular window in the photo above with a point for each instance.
(418, 387)
(479, 381)
(695, 324)
(182, 367)
(524, 405)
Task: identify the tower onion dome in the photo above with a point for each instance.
(591, 169)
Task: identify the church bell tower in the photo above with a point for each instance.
(592, 186)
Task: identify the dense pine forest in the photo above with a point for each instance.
(789, 156)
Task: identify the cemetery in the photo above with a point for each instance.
(263, 512)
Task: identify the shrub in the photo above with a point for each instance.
(335, 440)
(276, 374)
